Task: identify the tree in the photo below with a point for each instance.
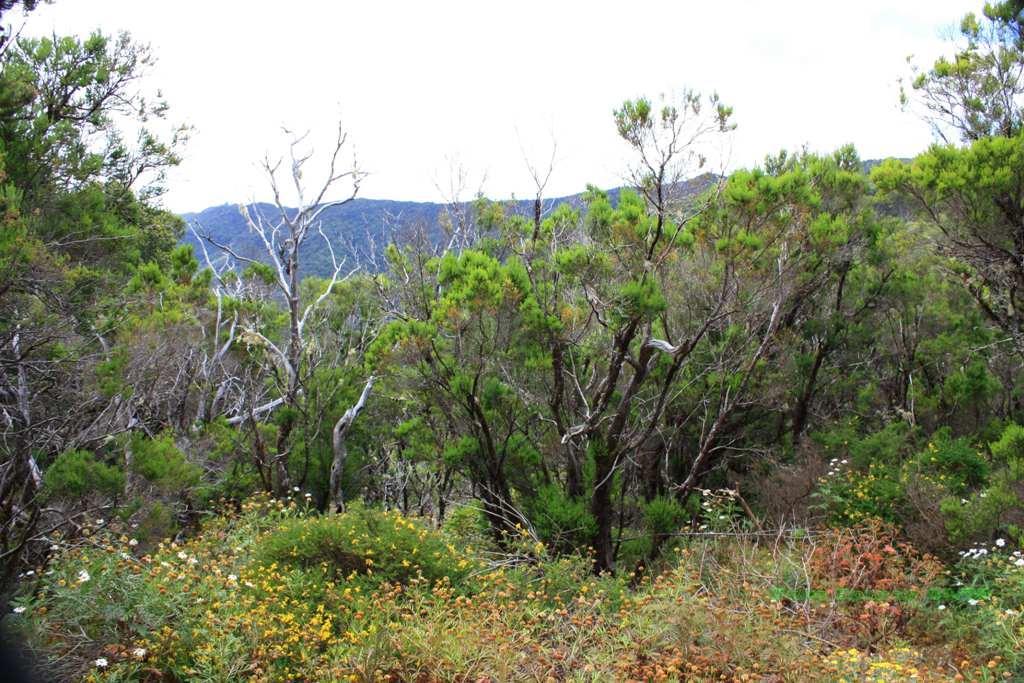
(977, 92)
(282, 237)
(463, 343)
(646, 236)
(973, 195)
(79, 219)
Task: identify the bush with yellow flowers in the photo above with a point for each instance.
(366, 543)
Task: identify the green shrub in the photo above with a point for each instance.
(75, 474)
(160, 462)
(988, 594)
(954, 464)
(845, 441)
(156, 522)
(663, 515)
(564, 524)
(1009, 446)
(468, 525)
(384, 546)
(850, 496)
(997, 506)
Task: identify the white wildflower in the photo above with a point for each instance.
(1000, 542)
(942, 607)
(232, 577)
(101, 662)
(133, 543)
(19, 610)
(972, 602)
(1019, 562)
(83, 576)
(139, 652)
(182, 555)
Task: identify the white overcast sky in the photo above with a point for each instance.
(423, 86)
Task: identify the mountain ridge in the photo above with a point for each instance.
(374, 222)
(359, 230)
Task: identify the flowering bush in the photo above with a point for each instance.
(383, 546)
(849, 496)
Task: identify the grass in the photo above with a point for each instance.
(272, 593)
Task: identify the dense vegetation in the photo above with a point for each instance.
(768, 430)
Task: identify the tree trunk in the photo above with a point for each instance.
(340, 452)
(802, 408)
(601, 508)
(283, 482)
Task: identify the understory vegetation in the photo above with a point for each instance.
(276, 592)
(758, 426)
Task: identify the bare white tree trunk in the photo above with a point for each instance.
(338, 446)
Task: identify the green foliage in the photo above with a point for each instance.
(156, 521)
(467, 524)
(162, 463)
(260, 272)
(77, 474)
(994, 576)
(844, 441)
(642, 299)
(562, 523)
(381, 546)
(955, 464)
(663, 515)
(851, 496)
(1010, 445)
(996, 506)
(110, 374)
(976, 92)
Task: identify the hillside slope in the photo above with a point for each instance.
(362, 228)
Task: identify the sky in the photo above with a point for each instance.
(427, 88)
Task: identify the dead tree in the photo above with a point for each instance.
(282, 236)
(338, 449)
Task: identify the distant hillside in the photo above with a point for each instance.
(361, 229)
